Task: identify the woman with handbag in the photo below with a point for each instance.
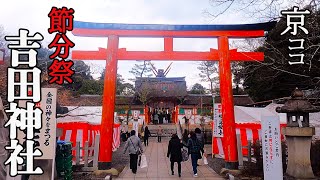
(174, 152)
(135, 149)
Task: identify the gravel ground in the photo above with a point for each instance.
(217, 164)
(119, 159)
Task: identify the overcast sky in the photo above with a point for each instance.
(33, 15)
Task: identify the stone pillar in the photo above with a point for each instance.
(299, 143)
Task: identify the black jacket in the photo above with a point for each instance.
(174, 150)
(147, 134)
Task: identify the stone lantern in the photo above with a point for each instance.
(298, 134)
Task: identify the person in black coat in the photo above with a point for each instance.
(174, 151)
(147, 134)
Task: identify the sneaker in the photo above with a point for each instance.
(195, 175)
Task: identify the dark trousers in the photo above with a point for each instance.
(159, 138)
(179, 167)
(194, 162)
(146, 141)
(133, 162)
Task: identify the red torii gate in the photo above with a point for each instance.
(112, 54)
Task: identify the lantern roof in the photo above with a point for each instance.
(297, 104)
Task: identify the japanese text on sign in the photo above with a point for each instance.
(61, 21)
(271, 147)
(217, 120)
(48, 131)
(24, 85)
(293, 25)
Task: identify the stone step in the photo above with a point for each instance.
(168, 129)
(163, 126)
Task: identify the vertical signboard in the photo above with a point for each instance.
(47, 135)
(271, 148)
(1, 56)
(217, 121)
(135, 114)
(188, 113)
(135, 126)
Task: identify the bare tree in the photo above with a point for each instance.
(4, 134)
(259, 9)
(142, 70)
(208, 73)
(143, 92)
(275, 77)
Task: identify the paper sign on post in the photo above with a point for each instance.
(271, 148)
(217, 121)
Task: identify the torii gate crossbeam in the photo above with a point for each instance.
(112, 54)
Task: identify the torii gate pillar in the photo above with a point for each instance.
(227, 104)
(109, 96)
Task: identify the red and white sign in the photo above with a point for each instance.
(217, 121)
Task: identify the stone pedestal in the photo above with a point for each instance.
(299, 143)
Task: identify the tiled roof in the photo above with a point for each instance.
(190, 99)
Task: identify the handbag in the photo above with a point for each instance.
(185, 155)
(205, 160)
(138, 152)
(144, 162)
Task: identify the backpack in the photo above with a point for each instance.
(195, 146)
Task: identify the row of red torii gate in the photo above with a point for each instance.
(223, 54)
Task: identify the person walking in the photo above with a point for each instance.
(135, 148)
(194, 147)
(200, 138)
(147, 134)
(185, 137)
(174, 152)
(156, 119)
(159, 133)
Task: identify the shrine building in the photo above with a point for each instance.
(165, 97)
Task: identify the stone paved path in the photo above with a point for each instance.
(159, 166)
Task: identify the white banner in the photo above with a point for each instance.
(271, 148)
(135, 114)
(135, 126)
(217, 121)
(188, 113)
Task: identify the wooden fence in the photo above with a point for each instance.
(89, 154)
(240, 154)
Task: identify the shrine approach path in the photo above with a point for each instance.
(159, 166)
